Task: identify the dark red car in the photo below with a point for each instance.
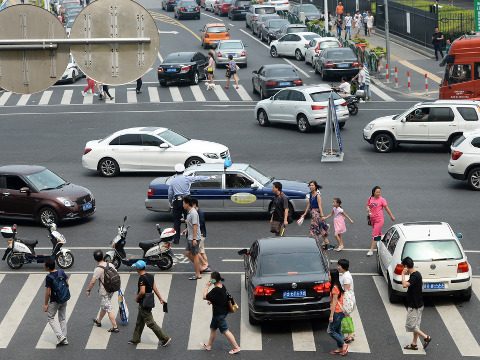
(222, 6)
(34, 192)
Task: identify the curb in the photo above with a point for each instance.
(405, 43)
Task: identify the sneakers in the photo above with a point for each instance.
(111, 98)
(65, 342)
(131, 342)
(60, 340)
(370, 253)
(83, 94)
(166, 342)
(95, 94)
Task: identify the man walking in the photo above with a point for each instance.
(146, 285)
(105, 296)
(279, 208)
(414, 287)
(203, 231)
(180, 187)
(56, 297)
(348, 26)
(139, 85)
(193, 236)
(339, 10)
(437, 38)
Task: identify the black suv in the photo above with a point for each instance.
(238, 9)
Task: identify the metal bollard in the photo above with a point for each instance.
(408, 77)
(396, 77)
(426, 85)
(388, 77)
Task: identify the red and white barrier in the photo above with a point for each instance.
(426, 85)
(396, 77)
(388, 77)
(408, 77)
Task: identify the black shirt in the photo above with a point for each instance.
(437, 36)
(414, 291)
(147, 281)
(218, 297)
(280, 203)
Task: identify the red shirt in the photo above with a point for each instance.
(335, 290)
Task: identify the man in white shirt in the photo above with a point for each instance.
(344, 88)
(348, 26)
(346, 280)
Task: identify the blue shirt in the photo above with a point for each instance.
(314, 201)
(180, 185)
(203, 228)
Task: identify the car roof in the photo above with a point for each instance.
(426, 230)
(277, 66)
(260, 6)
(281, 245)
(182, 53)
(451, 102)
(309, 89)
(218, 167)
(141, 130)
(308, 33)
(215, 25)
(21, 169)
(296, 25)
(227, 41)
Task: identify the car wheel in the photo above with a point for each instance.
(65, 261)
(262, 118)
(269, 41)
(253, 87)
(379, 267)
(303, 125)
(298, 55)
(324, 76)
(259, 33)
(273, 52)
(383, 143)
(175, 15)
(198, 17)
(252, 320)
(392, 295)
(163, 83)
(466, 296)
(315, 66)
(47, 216)
(74, 77)
(263, 96)
(341, 125)
(246, 24)
(108, 167)
(474, 179)
(195, 78)
(313, 63)
(194, 160)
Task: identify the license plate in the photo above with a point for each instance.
(284, 84)
(190, 9)
(87, 206)
(244, 12)
(216, 41)
(434, 286)
(336, 107)
(171, 70)
(342, 65)
(234, 55)
(294, 293)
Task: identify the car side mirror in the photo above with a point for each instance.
(254, 186)
(164, 146)
(243, 252)
(271, 98)
(25, 190)
(245, 45)
(255, 71)
(307, 46)
(459, 235)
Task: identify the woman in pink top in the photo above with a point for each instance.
(375, 206)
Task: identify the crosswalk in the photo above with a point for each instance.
(305, 336)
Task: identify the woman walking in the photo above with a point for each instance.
(210, 71)
(318, 227)
(218, 298)
(90, 86)
(339, 25)
(232, 70)
(375, 205)
(369, 23)
(336, 313)
(339, 221)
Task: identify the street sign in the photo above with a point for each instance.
(332, 150)
(477, 15)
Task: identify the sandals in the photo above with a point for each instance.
(205, 346)
(412, 346)
(207, 269)
(234, 351)
(336, 352)
(195, 277)
(114, 330)
(349, 339)
(344, 351)
(427, 341)
(340, 248)
(96, 322)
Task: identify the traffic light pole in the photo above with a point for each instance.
(387, 35)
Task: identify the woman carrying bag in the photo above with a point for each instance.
(232, 68)
(210, 71)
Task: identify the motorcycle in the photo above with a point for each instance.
(351, 100)
(22, 251)
(156, 252)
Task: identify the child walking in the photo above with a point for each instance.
(339, 221)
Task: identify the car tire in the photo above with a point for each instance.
(262, 118)
(313, 63)
(73, 77)
(263, 96)
(163, 83)
(298, 55)
(467, 295)
(303, 125)
(341, 125)
(246, 24)
(392, 295)
(379, 267)
(324, 76)
(269, 41)
(194, 160)
(175, 15)
(253, 87)
(315, 66)
(474, 178)
(252, 320)
(198, 17)
(47, 215)
(108, 167)
(196, 78)
(383, 143)
(273, 52)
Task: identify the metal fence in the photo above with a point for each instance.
(348, 5)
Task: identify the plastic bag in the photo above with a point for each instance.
(122, 307)
(300, 221)
(347, 325)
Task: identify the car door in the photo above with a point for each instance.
(250, 270)
(441, 123)
(240, 196)
(277, 106)
(209, 193)
(382, 246)
(283, 44)
(257, 80)
(295, 100)
(310, 50)
(14, 202)
(293, 43)
(127, 150)
(154, 157)
(414, 127)
(201, 61)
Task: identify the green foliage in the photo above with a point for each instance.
(361, 41)
(379, 51)
(317, 22)
(425, 5)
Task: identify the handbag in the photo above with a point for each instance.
(347, 325)
(227, 74)
(122, 307)
(369, 221)
(275, 226)
(232, 306)
(148, 299)
(210, 69)
(237, 67)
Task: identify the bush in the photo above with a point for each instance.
(361, 41)
(379, 51)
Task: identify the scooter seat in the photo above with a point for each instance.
(145, 245)
(31, 243)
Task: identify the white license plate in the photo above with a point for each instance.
(87, 206)
(342, 65)
(434, 286)
(294, 293)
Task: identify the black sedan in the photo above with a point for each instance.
(257, 24)
(336, 62)
(182, 67)
(268, 31)
(270, 79)
(238, 9)
(187, 9)
(169, 5)
(285, 282)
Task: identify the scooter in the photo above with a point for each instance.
(22, 251)
(352, 102)
(156, 252)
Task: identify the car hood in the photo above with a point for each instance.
(384, 120)
(202, 146)
(70, 191)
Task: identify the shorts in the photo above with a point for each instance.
(414, 318)
(193, 249)
(219, 322)
(201, 247)
(106, 302)
(231, 73)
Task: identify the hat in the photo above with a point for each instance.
(179, 168)
(140, 264)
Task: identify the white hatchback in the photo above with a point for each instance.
(317, 45)
(436, 252)
(148, 149)
(280, 5)
(292, 44)
(465, 160)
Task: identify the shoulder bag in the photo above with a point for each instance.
(148, 299)
(232, 306)
(369, 221)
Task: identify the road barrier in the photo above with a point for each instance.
(426, 85)
(396, 77)
(408, 77)
(388, 76)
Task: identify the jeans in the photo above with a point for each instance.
(339, 31)
(365, 28)
(368, 94)
(335, 329)
(145, 317)
(438, 48)
(348, 30)
(53, 308)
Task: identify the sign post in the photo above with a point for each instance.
(332, 150)
(477, 15)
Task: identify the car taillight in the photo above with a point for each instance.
(271, 83)
(87, 150)
(344, 104)
(355, 64)
(160, 69)
(322, 288)
(170, 2)
(329, 65)
(255, 16)
(206, 35)
(197, 9)
(183, 9)
(456, 155)
(150, 192)
(235, 8)
(263, 291)
(316, 48)
(227, 35)
(243, 53)
(462, 267)
(318, 107)
(185, 68)
(398, 269)
(298, 82)
(219, 54)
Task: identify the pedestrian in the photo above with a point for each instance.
(375, 205)
(218, 298)
(368, 94)
(318, 227)
(203, 231)
(414, 287)
(193, 236)
(339, 221)
(105, 296)
(139, 85)
(364, 20)
(279, 210)
(358, 24)
(180, 187)
(348, 26)
(336, 313)
(99, 89)
(339, 26)
(231, 71)
(339, 10)
(106, 93)
(437, 38)
(146, 285)
(450, 2)
(331, 22)
(346, 280)
(361, 76)
(90, 86)
(210, 71)
(370, 20)
(53, 304)
(447, 46)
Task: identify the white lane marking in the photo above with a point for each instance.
(360, 345)
(48, 340)
(67, 97)
(197, 93)
(231, 25)
(45, 97)
(201, 317)
(149, 339)
(19, 307)
(107, 99)
(213, 17)
(1, 277)
(23, 100)
(380, 93)
(131, 97)
(99, 336)
(220, 93)
(397, 315)
(233, 260)
(153, 94)
(160, 57)
(243, 94)
(302, 336)
(4, 98)
(175, 92)
(250, 336)
(88, 99)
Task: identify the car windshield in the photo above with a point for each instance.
(265, 10)
(173, 138)
(291, 264)
(309, 9)
(188, 3)
(297, 29)
(310, 37)
(324, 96)
(277, 23)
(432, 250)
(329, 44)
(282, 72)
(257, 175)
(231, 45)
(178, 58)
(217, 29)
(45, 180)
(338, 55)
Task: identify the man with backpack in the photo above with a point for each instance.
(56, 297)
(109, 283)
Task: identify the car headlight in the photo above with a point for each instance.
(66, 201)
(210, 155)
(369, 127)
(307, 196)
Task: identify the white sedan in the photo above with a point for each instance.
(209, 5)
(72, 73)
(292, 44)
(148, 149)
(280, 5)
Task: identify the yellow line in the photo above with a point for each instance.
(415, 68)
(169, 20)
(13, 2)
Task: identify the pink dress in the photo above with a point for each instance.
(338, 221)
(376, 209)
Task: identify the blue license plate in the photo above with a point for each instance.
(336, 107)
(232, 55)
(342, 65)
(284, 83)
(216, 41)
(171, 70)
(294, 293)
(190, 9)
(87, 206)
(434, 286)
(244, 12)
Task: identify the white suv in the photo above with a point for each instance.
(465, 160)
(436, 253)
(430, 122)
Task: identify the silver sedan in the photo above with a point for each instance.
(236, 48)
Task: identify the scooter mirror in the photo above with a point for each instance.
(125, 219)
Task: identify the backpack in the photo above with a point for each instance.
(348, 303)
(60, 291)
(111, 279)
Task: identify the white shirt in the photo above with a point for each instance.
(345, 87)
(347, 279)
(361, 77)
(348, 21)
